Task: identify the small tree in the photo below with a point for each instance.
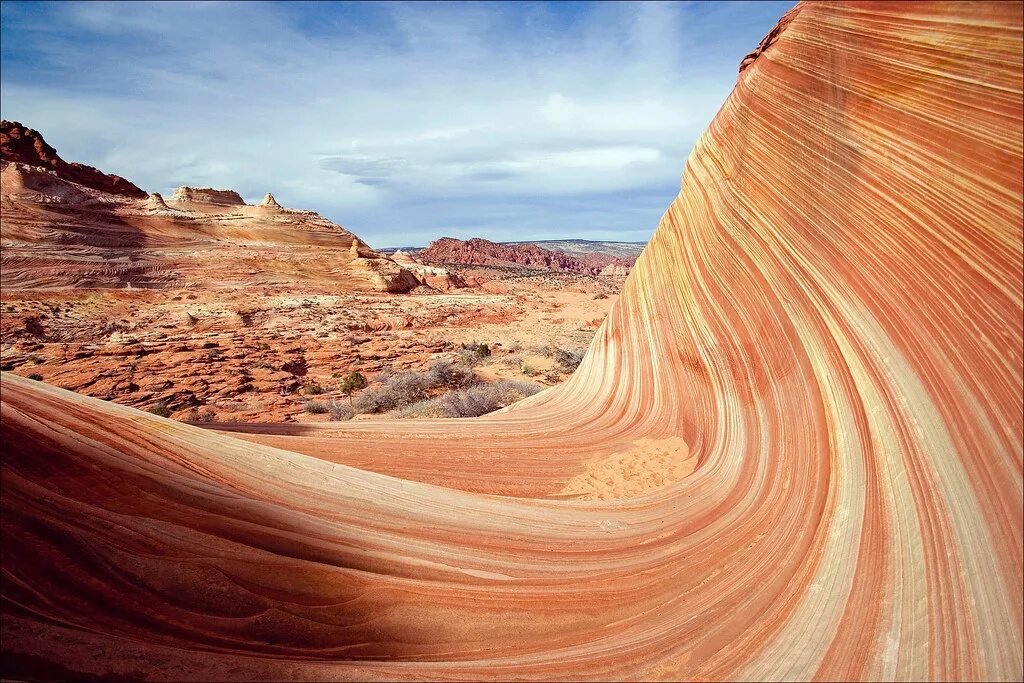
(351, 383)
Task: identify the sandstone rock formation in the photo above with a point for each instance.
(434, 277)
(25, 146)
(477, 251)
(62, 227)
(810, 391)
(207, 195)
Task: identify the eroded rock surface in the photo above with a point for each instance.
(826, 329)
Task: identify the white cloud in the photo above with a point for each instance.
(400, 121)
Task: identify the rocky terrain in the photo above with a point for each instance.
(201, 307)
(481, 252)
(64, 228)
(627, 251)
(264, 354)
(21, 145)
(793, 450)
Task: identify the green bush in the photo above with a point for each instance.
(353, 382)
(312, 389)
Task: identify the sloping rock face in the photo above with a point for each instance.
(434, 277)
(477, 251)
(59, 233)
(26, 146)
(798, 433)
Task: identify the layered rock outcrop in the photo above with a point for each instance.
(207, 195)
(22, 145)
(793, 451)
(435, 277)
(64, 230)
(477, 251)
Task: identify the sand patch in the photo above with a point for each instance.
(649, 465)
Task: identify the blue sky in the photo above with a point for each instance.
(403, 122)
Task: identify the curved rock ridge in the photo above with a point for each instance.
(792, 452)
(26, 146)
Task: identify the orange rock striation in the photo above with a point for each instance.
(802, 418)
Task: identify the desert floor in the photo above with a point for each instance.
(262, 354)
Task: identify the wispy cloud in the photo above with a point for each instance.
(401, 121)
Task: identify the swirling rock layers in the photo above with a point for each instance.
(827, 324)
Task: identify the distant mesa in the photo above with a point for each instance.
(208, 195)
(481, 252)
(19, 144)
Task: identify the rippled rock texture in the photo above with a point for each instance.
(802, 418)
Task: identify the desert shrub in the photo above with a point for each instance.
(484, 398)
(513, 361)
(600, 295)
(527, 369)
(206, 415)
(468, 358)
(474, 401)
(430, 407)
(340, 411)
(568, 361)
(445, 373)
(397, 391)
(36, 376)
(161, 409)
(312, 389)
(353, 382)
(473, 353)
(317, 407)
(471, 402)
